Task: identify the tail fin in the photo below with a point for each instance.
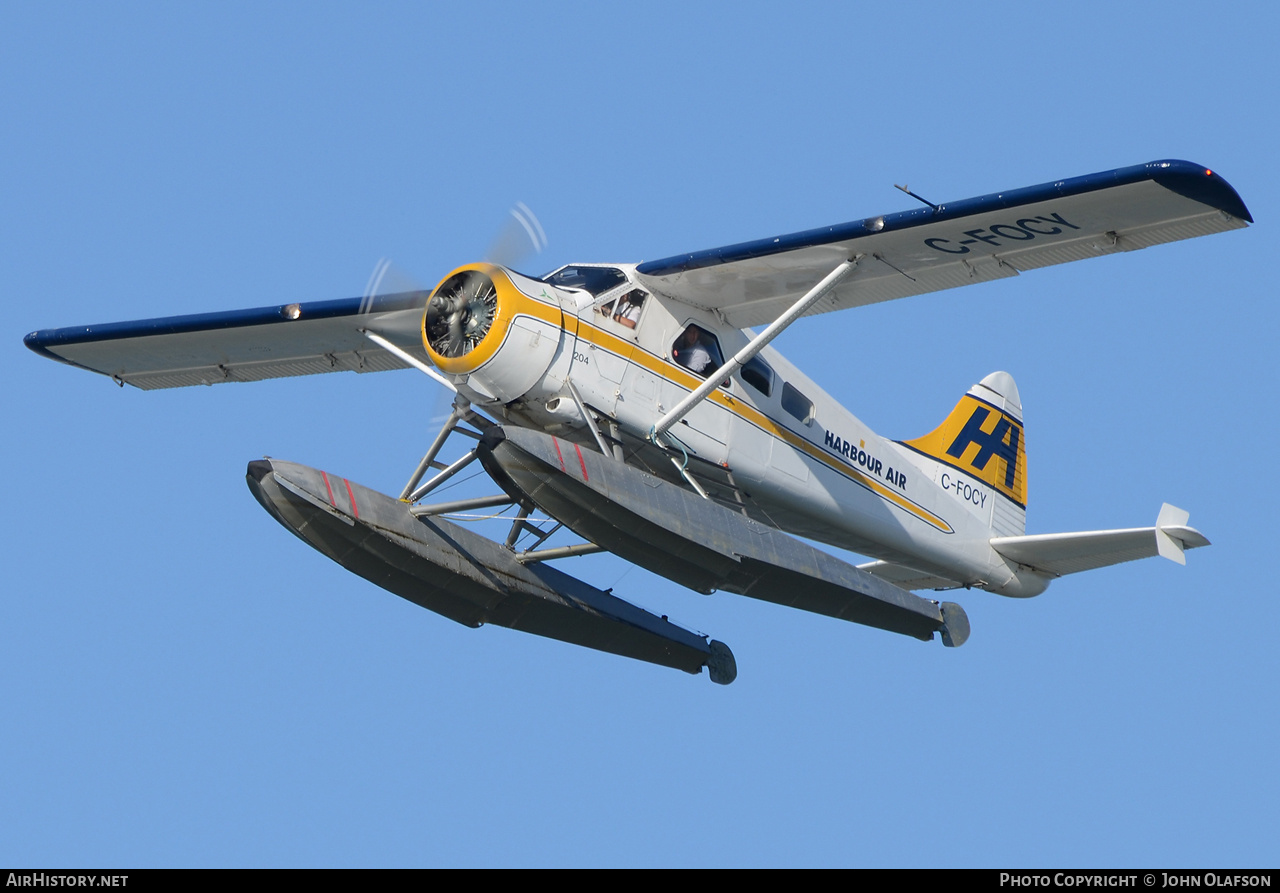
(982, 439)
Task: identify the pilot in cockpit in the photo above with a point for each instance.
(629, 306)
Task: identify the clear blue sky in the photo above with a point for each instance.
(184, 683)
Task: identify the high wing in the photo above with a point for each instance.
(960, 243)
(243, 345)
(752, 283)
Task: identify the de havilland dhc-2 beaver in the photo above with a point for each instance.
(635, 405)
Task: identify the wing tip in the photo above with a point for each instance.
(1199, 183)
(38, 343)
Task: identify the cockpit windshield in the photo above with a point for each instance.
(596, 280)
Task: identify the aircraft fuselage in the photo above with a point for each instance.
(807, 464)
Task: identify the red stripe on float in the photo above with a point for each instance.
(330, 489)
(355, 511)
(558, 456)
(580, 462)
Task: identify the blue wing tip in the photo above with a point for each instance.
(38, 342)
(1199, 183)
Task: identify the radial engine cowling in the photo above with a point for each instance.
(484, 327)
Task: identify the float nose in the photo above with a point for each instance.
(258, 469)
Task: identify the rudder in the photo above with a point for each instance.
(983, 439)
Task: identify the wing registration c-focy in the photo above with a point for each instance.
(630, 406)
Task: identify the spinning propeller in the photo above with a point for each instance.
(462, 310)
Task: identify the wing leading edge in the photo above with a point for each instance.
(959, 243)
(242, 345)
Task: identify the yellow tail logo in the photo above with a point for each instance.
(984, 442)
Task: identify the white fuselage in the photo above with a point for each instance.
(810, 466)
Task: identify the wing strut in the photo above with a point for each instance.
(408, 358)
(754, 346)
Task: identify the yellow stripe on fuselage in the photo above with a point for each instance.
(676, 375)
(514, 303)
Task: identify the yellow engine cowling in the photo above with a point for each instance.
(494, 332)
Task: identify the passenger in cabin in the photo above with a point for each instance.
(691, 352)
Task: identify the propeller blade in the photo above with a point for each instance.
(520, 238)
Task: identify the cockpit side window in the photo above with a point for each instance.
(698, 351)
(596, 280)
(625, 311)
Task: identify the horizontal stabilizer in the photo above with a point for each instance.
(1056, 554)
(466, 577)
(243, 345)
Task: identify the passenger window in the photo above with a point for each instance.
(698, 351)
(758, 374)
(796, 403)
